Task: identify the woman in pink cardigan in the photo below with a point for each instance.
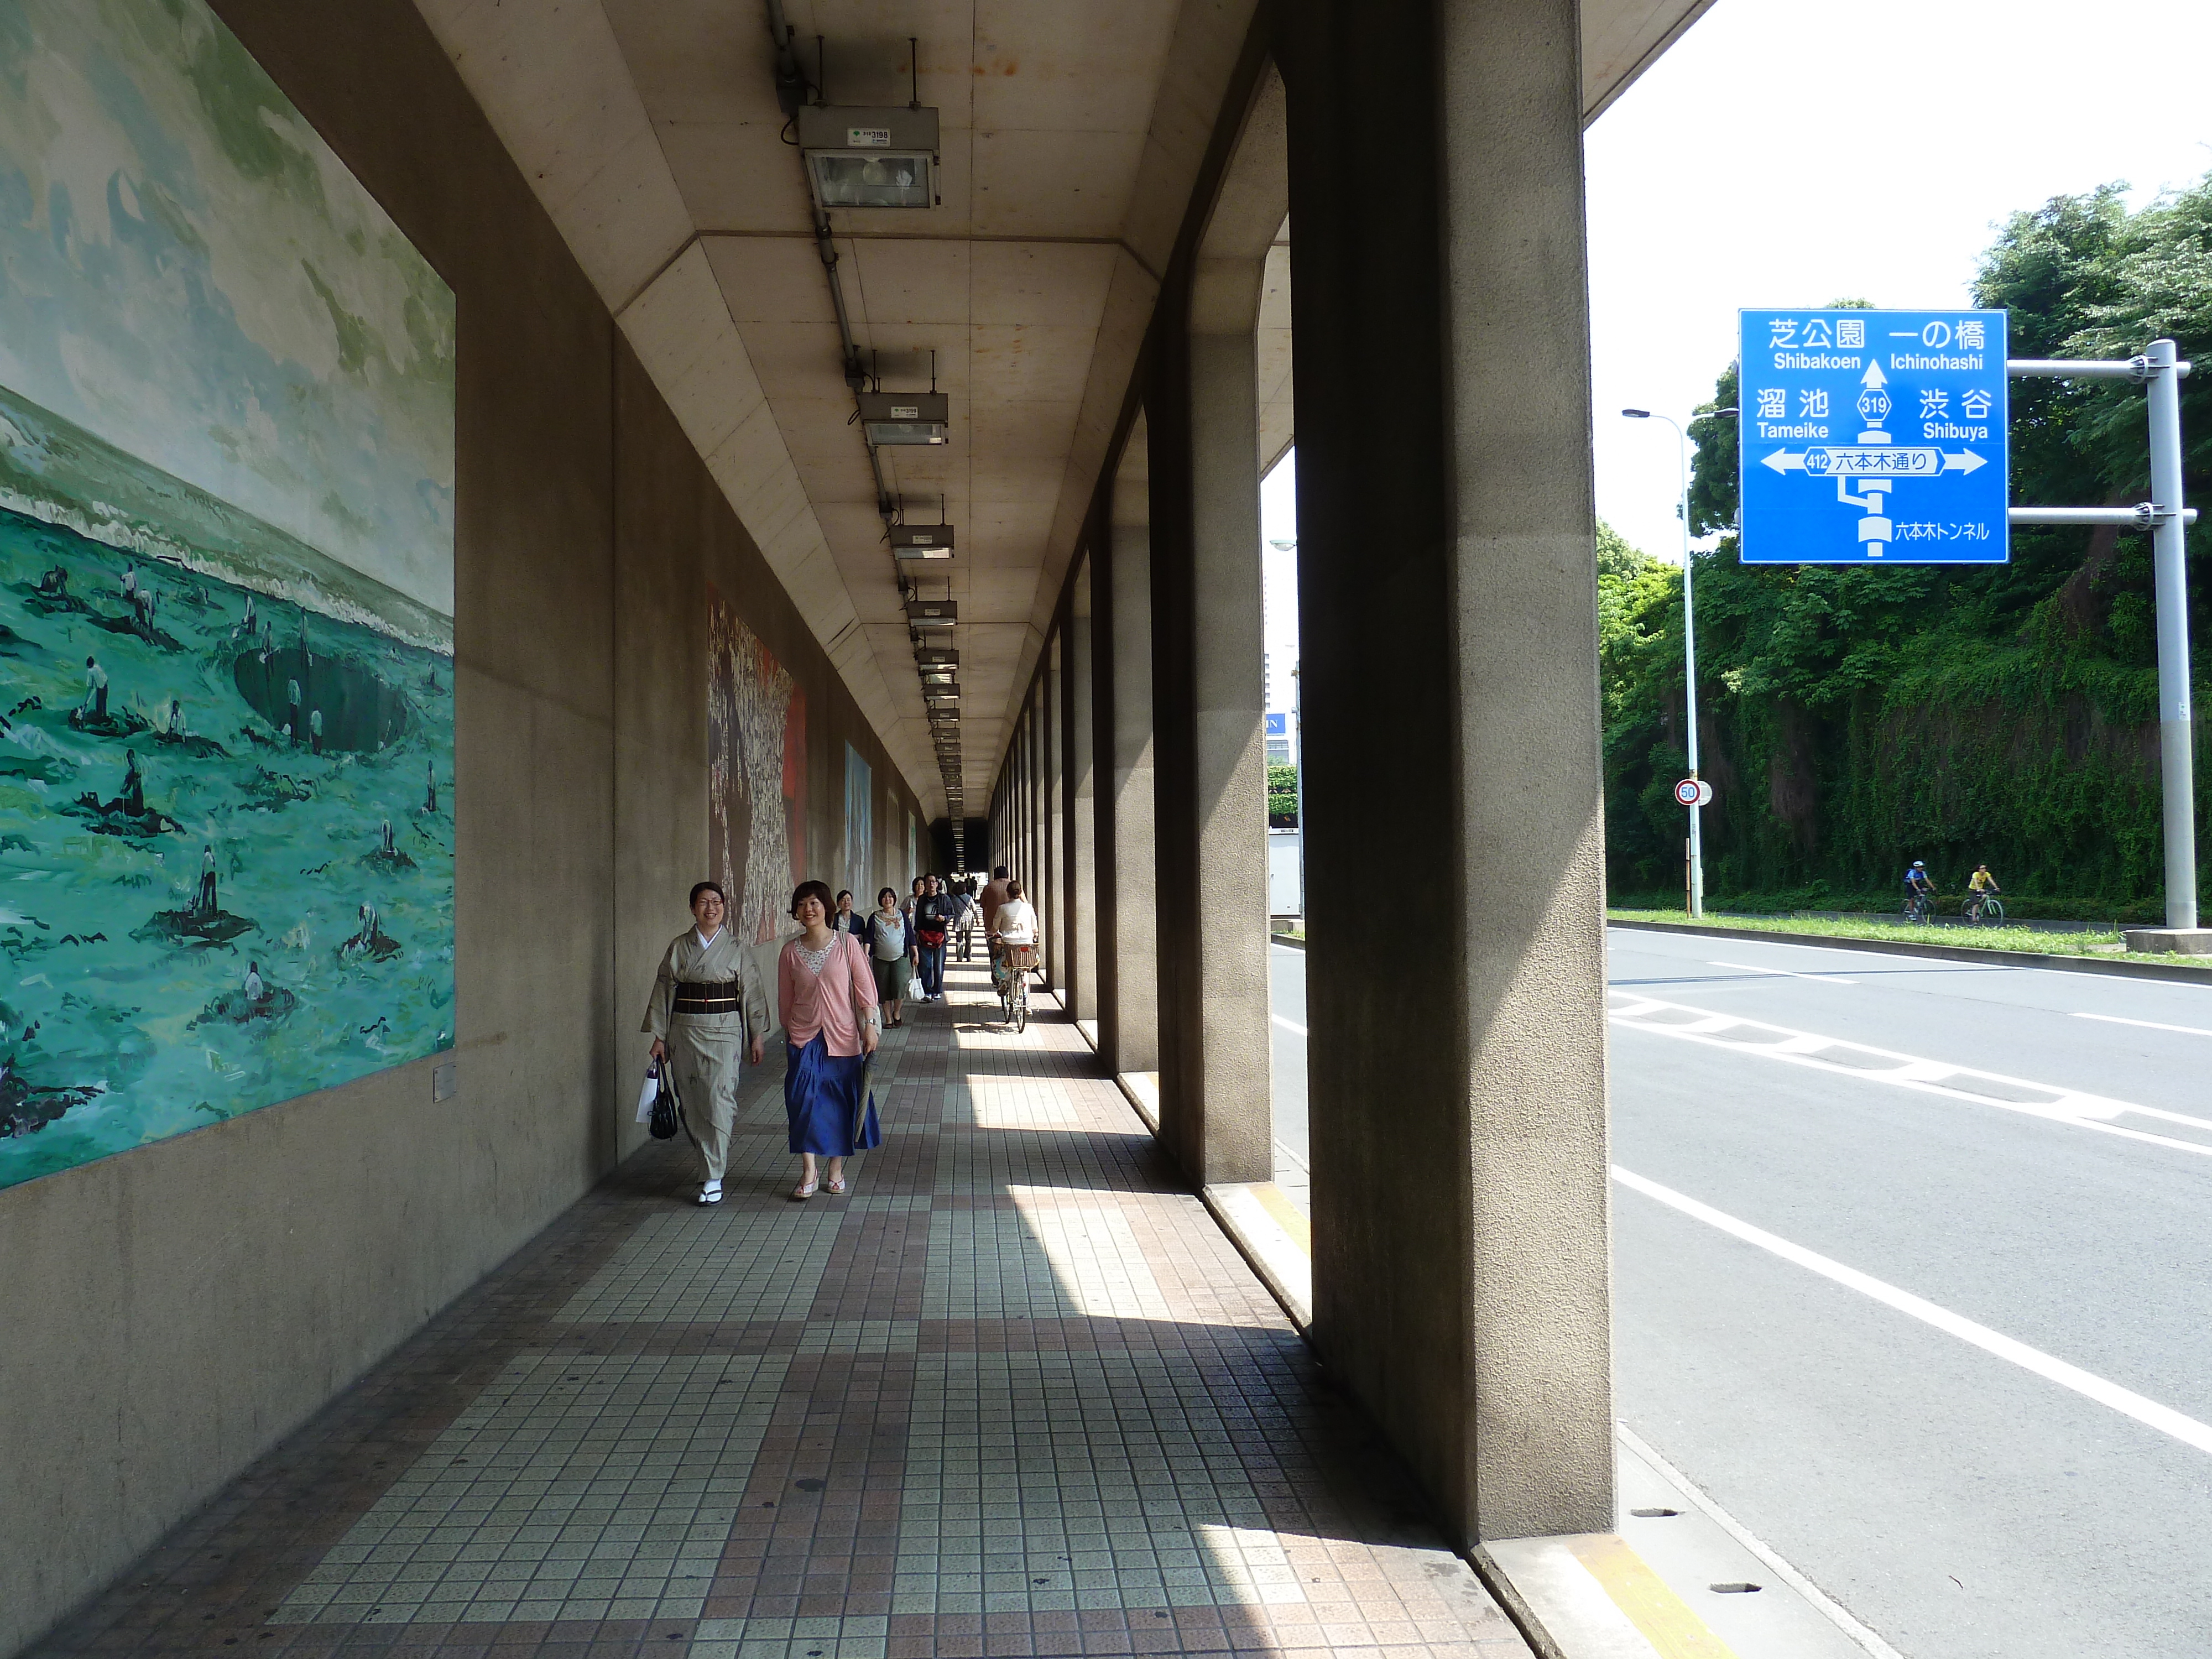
(825, 999)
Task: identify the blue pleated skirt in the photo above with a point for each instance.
(823, 1099)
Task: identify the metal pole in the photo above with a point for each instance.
(2176, 731)
(1689, 669)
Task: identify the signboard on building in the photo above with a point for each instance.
(1870, 435)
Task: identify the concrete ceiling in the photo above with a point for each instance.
(1071, 134)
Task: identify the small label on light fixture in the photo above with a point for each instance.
(906, 411)
(867, 137)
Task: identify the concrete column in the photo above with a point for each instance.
(1082, 840)
(1128, 923)
(1052, 799)
(1216, 1113)
(1447, 596)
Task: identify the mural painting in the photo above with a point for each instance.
(757, 774)
(860, 828)
(226, 596)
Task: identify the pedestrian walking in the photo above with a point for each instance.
(826, 1000)
(707, 1001)
(965, 917)
(933, 924)
(890, 953)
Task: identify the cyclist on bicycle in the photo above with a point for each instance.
(1919, 891)
(1979, 888)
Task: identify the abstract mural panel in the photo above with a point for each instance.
(757, 774)
(860, 828)
(226, 595)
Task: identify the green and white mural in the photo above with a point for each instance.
(226, 595)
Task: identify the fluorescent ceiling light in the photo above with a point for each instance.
(869, 156)
(922, 541)
(932, 613)
(905, 418)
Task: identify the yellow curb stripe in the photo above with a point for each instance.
(1287, 1216)
(1662, 1617)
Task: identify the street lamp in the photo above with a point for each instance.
(1689, 645)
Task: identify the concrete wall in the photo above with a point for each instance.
(171, 1312)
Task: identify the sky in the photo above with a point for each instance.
(189, 273)
(1789, 154)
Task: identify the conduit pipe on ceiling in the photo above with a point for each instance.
(791, 90)
(790, 94)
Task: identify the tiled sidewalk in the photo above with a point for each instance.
(1015, 1394)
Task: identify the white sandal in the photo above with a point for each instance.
(710, 1192)
(805, 1190)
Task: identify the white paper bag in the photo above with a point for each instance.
(645, 1095)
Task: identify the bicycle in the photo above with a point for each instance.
(1984, 907)
(1011, 971)
(1917, 906)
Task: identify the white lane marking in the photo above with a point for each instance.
(1294, 1158)
(2126, 1401)
(1788, 973)
(2073, 1107)
(1288, 1025)
(2148, 1024)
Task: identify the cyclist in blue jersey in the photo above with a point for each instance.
(1919, 891)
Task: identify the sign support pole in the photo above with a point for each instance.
(2176, 731)
(2159, 369)
(1689, 678)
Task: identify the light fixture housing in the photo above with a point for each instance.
(893, 418)
(922, 541)
(936, 656)
(933, 613)
(865, 156)
(941, 696)
(932, 674)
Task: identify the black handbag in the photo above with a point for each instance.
(667, 1110)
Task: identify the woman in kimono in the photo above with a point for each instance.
(707, 999)
(825, 997)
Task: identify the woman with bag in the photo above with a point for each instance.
(707, 999)
(826, 1000)
(889, 939)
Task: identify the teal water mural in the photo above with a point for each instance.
(225, 831)
(226, 595)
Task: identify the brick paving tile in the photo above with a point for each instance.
(1015, 1395)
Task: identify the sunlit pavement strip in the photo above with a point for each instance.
(2126, 1401)
(1015, 1394)
(1842, 1058)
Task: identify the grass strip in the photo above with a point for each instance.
(2104, 942)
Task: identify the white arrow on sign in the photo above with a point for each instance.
(1793, 460)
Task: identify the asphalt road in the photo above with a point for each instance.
(1910, 1274)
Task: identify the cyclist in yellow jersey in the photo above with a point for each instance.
(1979, 886)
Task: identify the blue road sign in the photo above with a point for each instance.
(1873, 434)
(1278, 725)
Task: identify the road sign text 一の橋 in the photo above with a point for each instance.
(1873, 435)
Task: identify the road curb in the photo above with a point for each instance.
(2111, 968)
(1286, 941)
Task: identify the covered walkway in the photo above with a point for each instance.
(1017, 1394)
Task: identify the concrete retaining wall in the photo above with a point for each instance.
(169, 1313)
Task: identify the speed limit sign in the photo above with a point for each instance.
(1693, 792)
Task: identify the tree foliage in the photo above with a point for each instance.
(1282, 797)
(1853, 719)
